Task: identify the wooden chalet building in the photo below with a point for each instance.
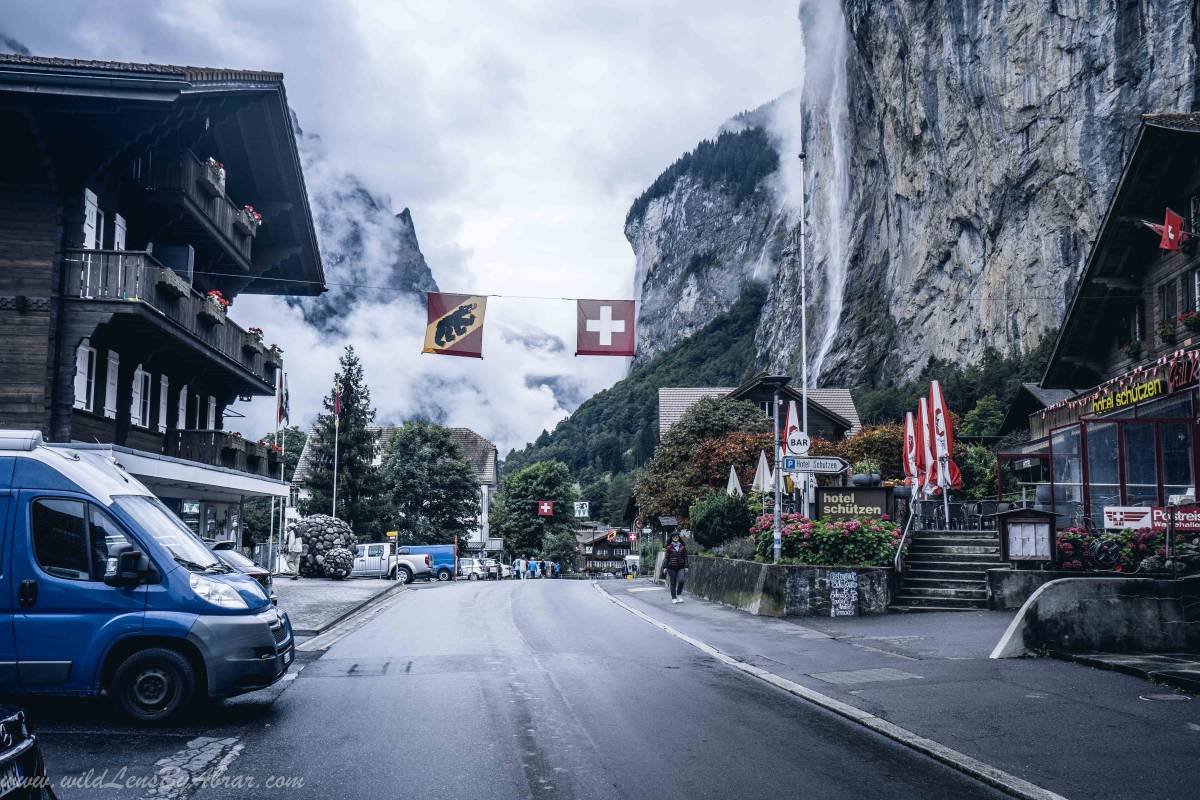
(115, 225)
(832, 414)
(604, 549)
(1131, 333)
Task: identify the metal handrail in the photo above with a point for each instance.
(898, 562)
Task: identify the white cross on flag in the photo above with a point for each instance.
(545, 508)
(605, 328)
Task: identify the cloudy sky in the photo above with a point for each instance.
(517, 131)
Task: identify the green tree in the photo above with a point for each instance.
(515, 515)
(984, 419)
(673, 480)
(562, 548)
(620, 489)
(719, 517)
(360, 500)
(256, 512)
(432, 491)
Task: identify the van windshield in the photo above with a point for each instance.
(169, 531)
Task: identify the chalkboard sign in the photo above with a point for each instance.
(843, 594)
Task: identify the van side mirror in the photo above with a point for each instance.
(126, 566)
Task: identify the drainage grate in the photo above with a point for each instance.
(865, 675)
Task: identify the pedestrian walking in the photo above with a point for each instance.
(676, 564)
(531, 570)
(545, 573)
(519, 568)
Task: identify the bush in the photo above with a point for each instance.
(864, 541)
(719, 517)
(1119, 551)
(742, 547)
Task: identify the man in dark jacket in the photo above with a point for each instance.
(675, 562)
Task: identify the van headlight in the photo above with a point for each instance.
(216, 592)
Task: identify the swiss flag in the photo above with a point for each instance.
(1171, 233)
(605, 328)
(545, 508)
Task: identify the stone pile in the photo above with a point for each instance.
(319, 534)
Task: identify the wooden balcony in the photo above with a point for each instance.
(185, 179)
(222, 449)
(133, 277)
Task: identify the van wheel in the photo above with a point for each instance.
(406, 575)
(443, 574)
(153, 685)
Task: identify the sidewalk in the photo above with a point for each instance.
(1074, 730)
(316, 604)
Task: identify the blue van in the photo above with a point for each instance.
(105, 591)
(442, 555)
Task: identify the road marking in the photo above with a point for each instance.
(993, 776)
(847, 676)
(649, 589)
(204, 759)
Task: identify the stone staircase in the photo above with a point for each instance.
(945, 570)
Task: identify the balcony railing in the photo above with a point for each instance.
(222, 449)
(137, 277)
(187, 175)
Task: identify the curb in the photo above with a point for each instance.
(1164, 676)
(985, 773)
(375, 598)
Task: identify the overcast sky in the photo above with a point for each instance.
(518, 132)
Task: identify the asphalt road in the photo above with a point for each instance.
(536, 689)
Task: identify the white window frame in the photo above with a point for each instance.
(85, 376)
(139, 409)
(212, 413)
(181, 417)
(164, 397)
(110, 384)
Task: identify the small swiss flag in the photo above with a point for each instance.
(1171, 233)
(545, 508)
(605, 327)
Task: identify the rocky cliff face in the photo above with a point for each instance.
(364, 245)
(960, 159)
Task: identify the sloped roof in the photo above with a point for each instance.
(1049, 397)
(674, 402)
(480, 453)
(186, 73)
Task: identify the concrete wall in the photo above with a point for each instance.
(783, 590)
(1008, 589)
(1124, 615)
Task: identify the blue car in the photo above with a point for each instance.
(442, 555)
(107, 591)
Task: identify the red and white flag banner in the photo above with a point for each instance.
(545, 508)
(909, 456)
(1170, 233)
(606, 327)
(926, 463)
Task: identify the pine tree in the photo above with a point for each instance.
(360, 501)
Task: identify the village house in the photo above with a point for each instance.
(138, 202)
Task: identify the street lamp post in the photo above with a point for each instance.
(777, 382)
(803, 331)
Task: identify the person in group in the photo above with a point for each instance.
(543, 569)
(676, 565)
(518, 567)
(557, 569)
(531, 569)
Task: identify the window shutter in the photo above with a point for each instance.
(110, 388)
(164, 388)
(212, 413)
(181, 418)
(135, 407)
(90, 208)
(82, 354)
(118, 232)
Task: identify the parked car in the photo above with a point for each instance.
(379, 560)
(21, 760)
(492, 569)
(167, 621)
(442, 555)
(246, 566)
(471, 569)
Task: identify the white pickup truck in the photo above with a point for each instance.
(379, 560)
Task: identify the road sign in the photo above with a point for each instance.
(581, 511)
(795, 440)
(829, 465)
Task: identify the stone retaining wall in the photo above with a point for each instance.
(777, 590)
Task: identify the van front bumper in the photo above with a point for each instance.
(244, 653)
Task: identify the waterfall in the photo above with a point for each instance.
(835, 228)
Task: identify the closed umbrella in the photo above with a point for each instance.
(944, 468)
(925, 462)
(764, 478)
(909, 455)
(734, 487)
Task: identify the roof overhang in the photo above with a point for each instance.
(188, 480)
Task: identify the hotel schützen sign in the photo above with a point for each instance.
(830, 465)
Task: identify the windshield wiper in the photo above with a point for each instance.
(218, 567)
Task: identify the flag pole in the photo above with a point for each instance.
(803, 320)
(282, 462)
(337, 418)
(271, 525)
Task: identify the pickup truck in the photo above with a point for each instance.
(379, 560)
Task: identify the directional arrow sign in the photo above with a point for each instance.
(822, 466)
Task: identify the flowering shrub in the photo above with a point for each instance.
(255, 332)
(1119, 551)
(218, 298)
(255, 217)
(1190, 320)
(865, 541)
